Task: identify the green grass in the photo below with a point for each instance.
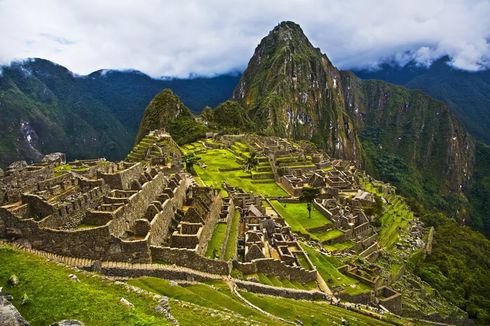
(330, 234)
(218, 164)
(215, 295)
(214, 245)
(296, 215)
(340, 246)
(55, 297)
(308, 312)
(231, 244)
(328, 266)
(395, 219)
(281, 282)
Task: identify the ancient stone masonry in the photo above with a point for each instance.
(266, 244)
(153, 218)
(101, 215)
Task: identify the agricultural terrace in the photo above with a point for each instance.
(217, 295)
(221, 165)
(328, 266)
(309, 313)
(296, 215)
(396, 216)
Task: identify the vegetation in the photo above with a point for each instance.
(53, 296)
(308, 195)
(458, 266)
(222, 166)
(215, 295)
(309, 313)
(229, 117)
(466, 92)
(478, 191)
(166, 111)
(214, 245)
(231, 244)
(328, 266)
(297, 217)
(281, 282)
(189, 161)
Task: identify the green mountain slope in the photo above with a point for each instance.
(166, 111)
(85, 116)
(467, 93)
(49, 113)
(412, 141)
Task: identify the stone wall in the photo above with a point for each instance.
(189, 258)
(92, 243)
(282, 292)
(169, 274)
(137, 205)
(390, 299)
(277, 268)
(122, 179)
(160, 224)
(38, 206)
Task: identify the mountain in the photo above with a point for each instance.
(467, 93)
(405, 137)
(44, 108)
(166, 111)
(291, 89)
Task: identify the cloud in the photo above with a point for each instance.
(179, 38)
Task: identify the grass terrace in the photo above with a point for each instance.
(53, 296)
(223, 166)
(339, 246)
(296, 215)
(232, 239)
(395, 219)
(328, 266)
(308, 312)
(281, 282)
(214, 295)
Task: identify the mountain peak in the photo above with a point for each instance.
(288, 32)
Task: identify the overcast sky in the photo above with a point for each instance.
(179, 37)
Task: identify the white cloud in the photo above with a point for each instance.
(178, 38)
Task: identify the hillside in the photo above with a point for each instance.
(45, 108)
(467, 93)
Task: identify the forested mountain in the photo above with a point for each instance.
(44, 108)
(467, 93)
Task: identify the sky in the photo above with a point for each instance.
(179, 38)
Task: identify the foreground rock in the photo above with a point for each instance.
(9, 315)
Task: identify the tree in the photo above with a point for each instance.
(308, 195)
(251, 162)
(190, 160)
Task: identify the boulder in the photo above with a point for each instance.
(17, 165)
(13, 280)
(126, 303)
(56, 158)
(9, 315)
(74, 278)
